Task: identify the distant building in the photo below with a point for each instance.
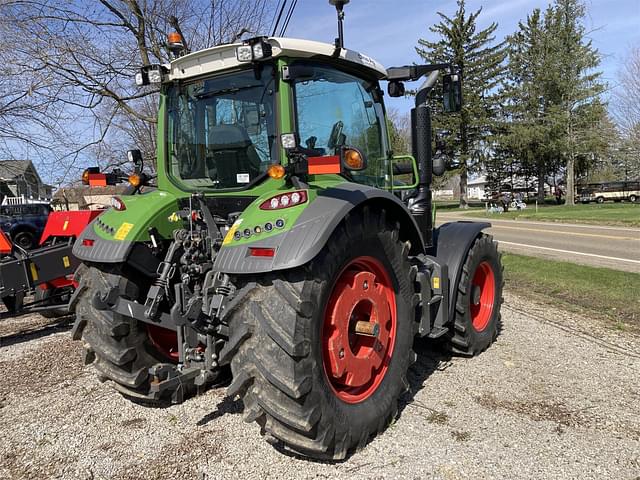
(477, 189)
(85, 197)
(20, 179)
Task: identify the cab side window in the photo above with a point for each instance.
(335, 109)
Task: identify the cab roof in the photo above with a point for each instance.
(223, 57)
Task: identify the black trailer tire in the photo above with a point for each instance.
(479, 298)
(279, 338)
(119, 344)
(633, 198)
(600, 200)
(25, 239)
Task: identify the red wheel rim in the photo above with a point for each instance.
(355, 363)
(165, 341)
(483, 293)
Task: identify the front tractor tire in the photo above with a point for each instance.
(121, 348)
(320, 354)
(479, 298)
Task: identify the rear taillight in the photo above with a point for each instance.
(118, 204)
(261, 252)
(88, 242)
(285, 200)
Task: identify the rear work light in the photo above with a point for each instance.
(285, 200)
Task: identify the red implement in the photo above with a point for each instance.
(67, 223)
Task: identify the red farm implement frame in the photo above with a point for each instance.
(45, 273)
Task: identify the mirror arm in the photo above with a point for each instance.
(425, 89)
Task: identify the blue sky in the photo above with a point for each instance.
(388, 30)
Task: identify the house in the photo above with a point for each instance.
(477, 188)
(20, 179)
(85, 197)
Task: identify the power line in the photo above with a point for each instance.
(275, 27)
(288, 18)
(273, 19)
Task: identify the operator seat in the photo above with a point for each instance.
(230, 152)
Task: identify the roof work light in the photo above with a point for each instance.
(254, 49)
(151, 74)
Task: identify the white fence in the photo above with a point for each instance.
(21, 200)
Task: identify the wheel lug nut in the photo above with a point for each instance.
(341, 353)
(365, 285)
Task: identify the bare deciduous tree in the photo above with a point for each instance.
(66, 80)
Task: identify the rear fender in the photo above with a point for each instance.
(311, 230)
(451, 244)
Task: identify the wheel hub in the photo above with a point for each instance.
(483, 292)
(359, 330)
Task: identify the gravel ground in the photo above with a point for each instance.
(557, 396)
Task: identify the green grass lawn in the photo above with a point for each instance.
(623, 214)
(609, 294)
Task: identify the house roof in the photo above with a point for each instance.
(10, 169)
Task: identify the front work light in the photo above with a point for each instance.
(151, 74)
(244, 53)
(254, 49)
(289, 141)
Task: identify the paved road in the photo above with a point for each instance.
(613, 247)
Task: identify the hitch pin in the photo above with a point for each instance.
(153, 241)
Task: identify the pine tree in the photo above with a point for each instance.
(552, 95)
(481, 60)
(574, 87)
(529, 136)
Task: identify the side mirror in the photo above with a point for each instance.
(452, 92)
(438, 167)
(396, 89)
(135, 157)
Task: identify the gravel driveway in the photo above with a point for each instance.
(557, 396)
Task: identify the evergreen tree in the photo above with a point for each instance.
(555, 116)
(574, 88)
(481, 60)
(529, 135)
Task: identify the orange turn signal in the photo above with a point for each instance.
(276, 171)
(135, 180)
(85, 177)
(353, 160)
(174, 38)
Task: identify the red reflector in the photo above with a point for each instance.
(324, 165)
(97, 180)
(88, 242)
(261, 252)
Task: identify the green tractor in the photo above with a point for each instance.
(285, 249)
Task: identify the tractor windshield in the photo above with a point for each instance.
(221, 131)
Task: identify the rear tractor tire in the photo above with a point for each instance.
(479, 298)
(121, 348)
(319, 354)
